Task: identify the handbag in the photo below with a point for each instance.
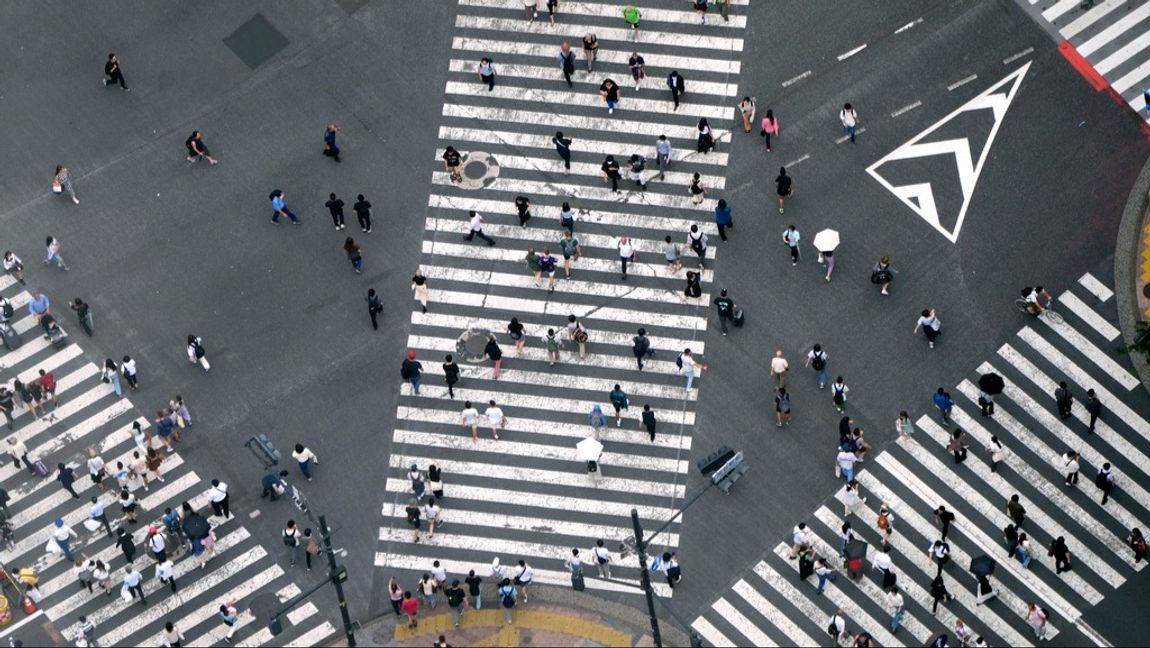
(53, 548)
(57, 187)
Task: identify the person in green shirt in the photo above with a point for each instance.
(631, 14)
(570, 247)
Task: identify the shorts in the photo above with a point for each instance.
(414, 523)
(786, 194)
(566, 257)
(551, 272)
(515, 336)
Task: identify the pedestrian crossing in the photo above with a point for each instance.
(1113, 36)
(526, 496)
(768, 605)
(89, 414)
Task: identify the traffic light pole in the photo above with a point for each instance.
(336, 581)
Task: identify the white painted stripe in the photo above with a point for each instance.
(535, 328)
(449, 539)
(905, 515)
(155, 613)
(243, 618)
(629, 99)
(997, 515)
(860, 131)
(867, 587)
(314, 637)
(665, 437)
(583, 217)
(586, 534)
(1088, 18)
(538, 72)
(1084, 446)
(906, 109)
(534, 450)
(617, 124)
(850, 53)
(635, 388)
(806, 156)
(560, 578)
(66, 388)
(1075, 373)
(1014, 57)
(908, 26)
(1096, 287)
(79, 431)
(560, 310)
(527, 476)
(741, 623)
(878, 627)
(63, 609)
(794, 80)
(52, 363)
(772, 614)
(711, 633)
(628, 192)
(1099, 357)
(7, 281)
(1138, 105)
(1060, 605)
(1123, 54)
(574, 32)
(1115, 29)
(570, 7)
(961, 82)
(587, 170)
(495, 47)
(299, 613)
(1059, 8)
(521, 500)
(30, 348)
(1133, 79)
(600, 147)
(1088, 315)
(984, 614)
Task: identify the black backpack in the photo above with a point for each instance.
(819, 361)
(7, 309)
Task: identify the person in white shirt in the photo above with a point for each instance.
(218, 498)
(470, 417)
(476, 229)
(128, 368)
(930, 325)
(495, 418)
(133, 582)
(894, 607)
(574, 562)
(883, 563)
(779, 369)
(846, 464)
(849, 118)
(838, 621)
(602, 559)
(798, 539)
(166, 574)
(498, 572)
(96, 512)
(304, 457)
(626, 254)
(434, 515)
(523, 577)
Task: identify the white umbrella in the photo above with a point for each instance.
(588, 450)
(826, 240)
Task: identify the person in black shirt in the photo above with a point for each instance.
(563, 148)
(335, 206)
(451, 163)
(609, 90)
(450, 374)
(783, 187)
(363, 213)
(473, 583)
(83, 314)
(523, 206)
(410, 371)
(196, 148)
(726, 308)
(677, 85)
(649, 421)
(610, 170)
(112, 70)
(456, 600)
(374, 307)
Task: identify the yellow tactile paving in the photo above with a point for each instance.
(1144, 255)
(508, 635)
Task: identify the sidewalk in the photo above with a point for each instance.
(1132, 267)
(554, 617)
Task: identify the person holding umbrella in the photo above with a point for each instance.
(989, 385)
(825, 243)
(589, 451)
(982, 567)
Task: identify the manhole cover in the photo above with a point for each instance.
(256, 41)
(480, 169)
(471, 344)
(1146, 291)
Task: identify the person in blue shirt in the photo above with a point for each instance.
(329, 147)
(38, 306)
(723, 218)
(279, 208)
(944, 404)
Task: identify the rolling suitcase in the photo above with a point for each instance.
(41, 468)
(739, 318)
(11, 338)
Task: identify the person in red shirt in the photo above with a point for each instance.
(410, 608)
(48, 386)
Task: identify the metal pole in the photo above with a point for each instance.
(645, 578)
(332, 569)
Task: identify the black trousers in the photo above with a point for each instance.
(364, 220)
(723, 230)
(480, 234)
(116, 77)
(489, 80)
(374, 324)
(651, 431)
(614, 181)
(675, 97)
(566, 155)
(223, 507)
(171, 582)
(337, 218)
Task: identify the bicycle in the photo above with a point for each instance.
(1051, 315)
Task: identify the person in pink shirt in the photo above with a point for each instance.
(770, 127)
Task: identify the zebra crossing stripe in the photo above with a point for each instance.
(51, 363)
(313, 637)
(77, 431)
(629, 192)
(1117, 28)
(580, 431)
(537, 552)
(1089, 315)
(1131, 80)
(906, 513)
(1088, 18)
(617, 124)
(575, 32)
(297, 615)
(985, 544)
(537, 450)
(243, 619)
(211, 611)
(776, 618)
(1099, 357)
(586, 240)
(536, 96)
(534, 72)
(65, 387)
(722, 67)
(525, 476)
(1120, 56)
(401, 490)
(1096, 287)
(741, 623)
(532, 328)
(1062, 6)
(593, 171)
(599, 147)
(1073, 372)
(712, 634)
(571, 7)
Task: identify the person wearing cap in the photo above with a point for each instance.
(157, 544)
(726, 308)
(63, 535)
(410, 371)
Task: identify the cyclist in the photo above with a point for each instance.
(1031, 297)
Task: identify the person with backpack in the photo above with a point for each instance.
(578, 333)
(551, 343)
(885, 524)
(290, 538)
(410, 370)
(1138, 543)
(507, 597)
(839, 391)
(817, 360)
(1064, 398)
(641, 347)
(782, 407)
(670, 568)
(566, 59)
(849, 118)
(596, 419)
(196, 352)
(697, 241)
(1104, 480)
(620, 402)
(882, 274)
(837, 627)
(414, 513)
(686, 363)
(638, 169)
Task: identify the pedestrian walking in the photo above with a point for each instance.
(791, 238)
(687, 364)
(784, 187)
(578, 333)
(638, 67)
(1064, 399)
(1010, 537)
(305, 458)
(62, 534)
(706, 141)
(845, 462)
(280, 208)
(166, 573)
(567, 218)
(837, 627)
(626, 254)
(83, 314)
(566, 60)
(197, 150)
(219, 498)
(374, 308)
(171, 635)
(474, 590)
(697, 241)
(134, 584)
(806, 562)
(97, 469)
(419, 287)
(746, 109)
(610, 169)
(939, 593)
(111, 375)
(631, 15)
(957, 446)
(671, 254)
(434, 515)
(590, 51)
(1104, 480)
(410, 607)
(779, 368)
(551, 343)
(362, 209)
(452, 161)
(113, 74)
(495, 418)
(695, 188)
(1094, 407)
(767, 128)
(335, 208)
(435, 481)
(608, 90)
(851, 499)
(411, 370)
(15, 267)
(1061, 554)
(620, 402)
(230, 617)
(671, 568)
(524, 574)
(725, 308)
(291, 540)
(456, 601)
(641, 347)
(885, 524)
(596, 419)
(166, 429)
(508, 595)
(885, 565)
(997, 452)
(1016, 511)
(476, 228)
(7, 405)
(53, 246)
(929, 323)
(663, 155)
(817, 360)
(330, 148)
(782, 407)
(86, 628)
(800, 537)
(939, 553)
(839, 391)
(694, 287)
(1036, 617)
(945, 405)
(824, 572)
(492, 350)
(450, 374)
(486, 72)
(62, 182)
(849, 118)
(569, 246)
(523, 207)
(563, 148)
(1138, 543)
(66, 476)
(723, 217)
(1023, 550)
(677, 85)
(602, 559)
(638, 170)
(131, 374)
(882, 274)
(531, 8)
(354, 254)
